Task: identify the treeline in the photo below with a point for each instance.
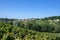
(51, 18)
(49, 24)
(6, 19)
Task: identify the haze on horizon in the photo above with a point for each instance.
(29, 8)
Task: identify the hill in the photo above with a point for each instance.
(30, 29)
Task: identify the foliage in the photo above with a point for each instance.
(30, 29)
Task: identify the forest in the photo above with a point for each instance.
(47, 28)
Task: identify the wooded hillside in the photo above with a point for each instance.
(30, 29)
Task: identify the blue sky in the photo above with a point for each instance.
(29, 8)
